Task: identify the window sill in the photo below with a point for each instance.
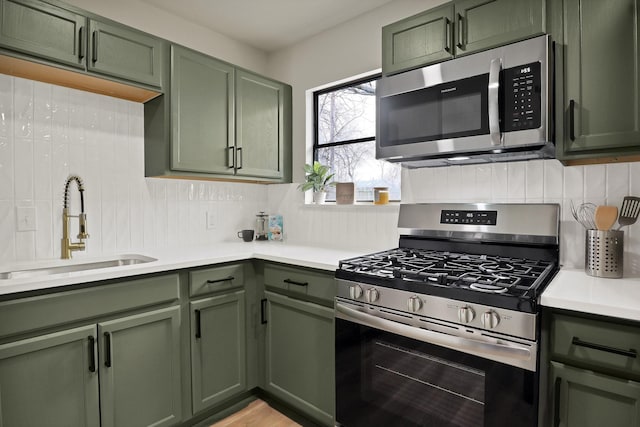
(365, 205)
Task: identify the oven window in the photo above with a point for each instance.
(384, 379)
(448, 110)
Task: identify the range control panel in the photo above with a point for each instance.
(469, 217)
(521, 97)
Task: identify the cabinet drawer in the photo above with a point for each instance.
(301, 281)
(28, 314)
(596, 343)
(216, 279)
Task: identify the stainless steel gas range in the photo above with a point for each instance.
(444, 330)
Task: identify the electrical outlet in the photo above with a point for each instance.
(212, 219)
(26, 218)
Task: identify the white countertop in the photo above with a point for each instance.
(174, 259)
(573, 289)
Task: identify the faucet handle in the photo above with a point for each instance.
(82, 220)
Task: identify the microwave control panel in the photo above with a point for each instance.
(521, 97)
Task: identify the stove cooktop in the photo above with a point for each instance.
(500, 281)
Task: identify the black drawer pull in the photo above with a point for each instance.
(572, 120)
(92, 353)
(293, 282)
(229, 278)
(198, 324)
(556, 403)
(107, 349)
(629, 353)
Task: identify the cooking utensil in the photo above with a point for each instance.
(584, 215)
(629, 211)
(605, 217)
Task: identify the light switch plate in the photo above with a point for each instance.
(26, 218)
(212, 219)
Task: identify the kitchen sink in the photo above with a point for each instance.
(74, 266)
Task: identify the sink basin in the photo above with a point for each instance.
(74, 266)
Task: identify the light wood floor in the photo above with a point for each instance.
(257, 414)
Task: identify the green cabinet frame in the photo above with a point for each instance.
(599, 105)
(218, 349)
(299, 355)
(50, 380)
(459, 28)
(588, 399)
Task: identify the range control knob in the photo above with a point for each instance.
(490, 319)
(355, 291)
(372, 295)
(466, 314)
(414, 304)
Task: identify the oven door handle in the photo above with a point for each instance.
(450, 341)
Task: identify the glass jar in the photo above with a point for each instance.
(380, 195)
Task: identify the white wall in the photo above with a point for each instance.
(148, 18)
(48, 132)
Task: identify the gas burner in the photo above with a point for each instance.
(483, 287)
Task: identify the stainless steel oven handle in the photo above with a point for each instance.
(494, 107)
(456, 343)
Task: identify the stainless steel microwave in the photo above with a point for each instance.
(488, 106)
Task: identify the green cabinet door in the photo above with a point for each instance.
(259, 126)
(50, 380)
(43, 30)
(202, 113)
(417, 41)
(584, 398)
(299, 355)
(140, 369)
(482, 24)
(601, 85)
(124, 53)
(218, 343)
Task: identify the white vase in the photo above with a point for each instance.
(319, 197)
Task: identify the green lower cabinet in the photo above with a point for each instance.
(140, 370)
(600, 103)
(299, 356)
(50, 380)
(584, 398)
(218, 349)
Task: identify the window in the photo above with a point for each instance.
(345, 135)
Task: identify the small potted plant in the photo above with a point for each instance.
(317, 179)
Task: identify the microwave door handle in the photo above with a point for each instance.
(494, 107)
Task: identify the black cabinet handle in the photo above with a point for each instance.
(92, 353)
(198, 325)
(460, 31)
(572, 120)
(629, 353)
(107, 349)
(210, 281)
(240, 161)
(263, 311)
(94, 42)
(293, 282)
(447, 35)
(231, 162)
(556, 403)
(81, 42)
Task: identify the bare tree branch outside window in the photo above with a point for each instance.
(345, 139)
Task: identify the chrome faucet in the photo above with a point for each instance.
(67, 245)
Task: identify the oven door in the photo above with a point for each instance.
(387, 379)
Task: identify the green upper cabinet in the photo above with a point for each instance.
(418, 40)
(202, 113)
(458, 28)
(140, 369)
(599, 105)
(218, 349)
(124, 53)
(259, 125)
(50, 380)
(483, 24)
(43, 30)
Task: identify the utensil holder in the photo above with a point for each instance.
(604, 253)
